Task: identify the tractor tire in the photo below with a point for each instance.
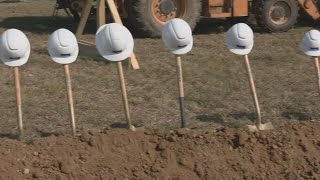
(146, 17)
(276, 15)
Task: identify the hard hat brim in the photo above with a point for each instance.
(309, 52)
(239, 51)
(16, 63)
(111, 56)
(312, 53)
(181, 51)
(66, 60)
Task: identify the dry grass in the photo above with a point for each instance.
(215, 81)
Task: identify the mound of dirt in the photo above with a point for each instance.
(289, 152)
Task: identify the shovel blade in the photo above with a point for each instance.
(262, 127)
(132, 128)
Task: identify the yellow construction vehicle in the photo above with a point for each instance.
(148, 16)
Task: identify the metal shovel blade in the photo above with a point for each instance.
(262, 127)
(132, 128)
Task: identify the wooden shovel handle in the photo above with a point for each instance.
(101, 13)
(124, 95)
(18, 98)
(115, 14)
(316, 62)
(70, 99)
(84, 17)
(181, 91)
(253, 89)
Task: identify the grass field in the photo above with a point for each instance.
(217, 90)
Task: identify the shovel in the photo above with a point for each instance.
(125, 96)
(70, 99)
(18, 99)
(316, 62)
(181, 92)
(259, 126)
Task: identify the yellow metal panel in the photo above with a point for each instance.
(225, 8)
(240, 8)
(311, 8)
(220, 8)
(216, 2)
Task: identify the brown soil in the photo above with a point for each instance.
(289, 152)
(216, 95)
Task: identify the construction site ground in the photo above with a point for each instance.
(217, 144)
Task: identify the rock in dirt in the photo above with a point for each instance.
(240, 140)
(92, 142)
(155, 168)
(85, 137)
(164, 154)
(66, 166)
(161, 146)
(181, 132)
(37, 174)
(172, 138)
(26, 171)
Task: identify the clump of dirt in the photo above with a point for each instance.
(288, 152)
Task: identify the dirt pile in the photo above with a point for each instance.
(291, 152)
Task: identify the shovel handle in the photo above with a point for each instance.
(124, 95)
(18, 99)
(84, 17)
(70, 99)
(116, 16)
(316, 62)
(181, 92)
(253, 89)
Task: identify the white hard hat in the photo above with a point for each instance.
(311, 43)
(14, 48)
(114, 42)
(240, 39)
(63, 46)
(177, 36)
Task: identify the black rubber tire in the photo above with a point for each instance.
(261, 10)
(142, 22)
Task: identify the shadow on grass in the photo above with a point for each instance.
(119, 125)
(291, 115)
(9, 136)
(244, 115)
(215, 118)
(236, 120)
(48, 134)
(42, 24)
(8, 2)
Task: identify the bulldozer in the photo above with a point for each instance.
(148, 16)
